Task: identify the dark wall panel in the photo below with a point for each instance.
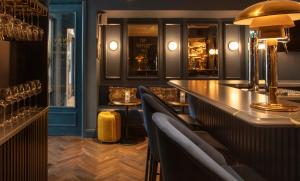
(113, 57)
(4, 63)
(173, 57)
(232, 58)
(289, 66)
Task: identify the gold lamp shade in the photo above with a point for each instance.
(270, 18)
(274, 13)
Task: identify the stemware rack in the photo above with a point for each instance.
(19, 20)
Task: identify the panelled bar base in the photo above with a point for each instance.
(273, 152)
(23, 149)
(267, 141)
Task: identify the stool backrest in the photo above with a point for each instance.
(181, 159)
(151, 105)
(149, 108)
(143, 89)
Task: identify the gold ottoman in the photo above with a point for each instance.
(109, 127)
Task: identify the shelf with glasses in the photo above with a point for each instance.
(10, 99)
(20, 19)
(8, 131)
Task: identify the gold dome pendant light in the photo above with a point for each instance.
(269, 19)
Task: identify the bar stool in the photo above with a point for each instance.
(152, 104)
(239, 171)
(182, 160)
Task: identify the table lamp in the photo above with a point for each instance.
(271, 19)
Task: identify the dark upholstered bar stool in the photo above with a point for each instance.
(186, 118)
(181, 159)
(184, 156)
(152, 104)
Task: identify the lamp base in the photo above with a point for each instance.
(274, 107)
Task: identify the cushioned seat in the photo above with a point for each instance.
(156, 106)
(187, 157)
(178, 147)
(109, 126)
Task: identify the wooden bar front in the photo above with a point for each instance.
(23, 149)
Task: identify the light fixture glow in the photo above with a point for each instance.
(212, 51)
(172, 45)
(261, 46)
(233, 45)
(113, 45)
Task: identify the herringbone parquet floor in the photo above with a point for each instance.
(77, 159)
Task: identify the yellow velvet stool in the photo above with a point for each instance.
(109, 127)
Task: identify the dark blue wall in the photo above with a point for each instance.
(93, 6)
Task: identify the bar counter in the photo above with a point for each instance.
(267, 141)
(23, 148)
(236, 102)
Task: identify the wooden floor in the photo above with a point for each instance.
(74, 159)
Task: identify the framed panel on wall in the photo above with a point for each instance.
(232, 46)
(143, 50)
(203, 50)
(113, 49)
(173, 51)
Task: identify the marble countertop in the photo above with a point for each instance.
(236, 101)
(8, 132)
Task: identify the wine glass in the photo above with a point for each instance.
(27, 96)
(38, 91)
(33, 89)
(24, 27)
(6, 95)
(23, 97)
(17, 27)
(40, 34)
(16, 96)
(3, 104)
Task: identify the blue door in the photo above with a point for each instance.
(65, 69)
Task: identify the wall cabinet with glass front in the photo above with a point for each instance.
(202, 50)
(142, 50)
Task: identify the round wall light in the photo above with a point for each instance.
(261, 46)
(172, 45)
(233, 45)
(212, 51)
(113, 45)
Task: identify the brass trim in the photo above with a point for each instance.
(274, 107)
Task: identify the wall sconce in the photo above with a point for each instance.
(261, 46)
(213, 52)
(233, 45)
(113, 45)
(172, 45)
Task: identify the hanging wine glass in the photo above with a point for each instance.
(2, 25)
(16, 31)
(5, 22)
(6, 95)
(24, 27)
